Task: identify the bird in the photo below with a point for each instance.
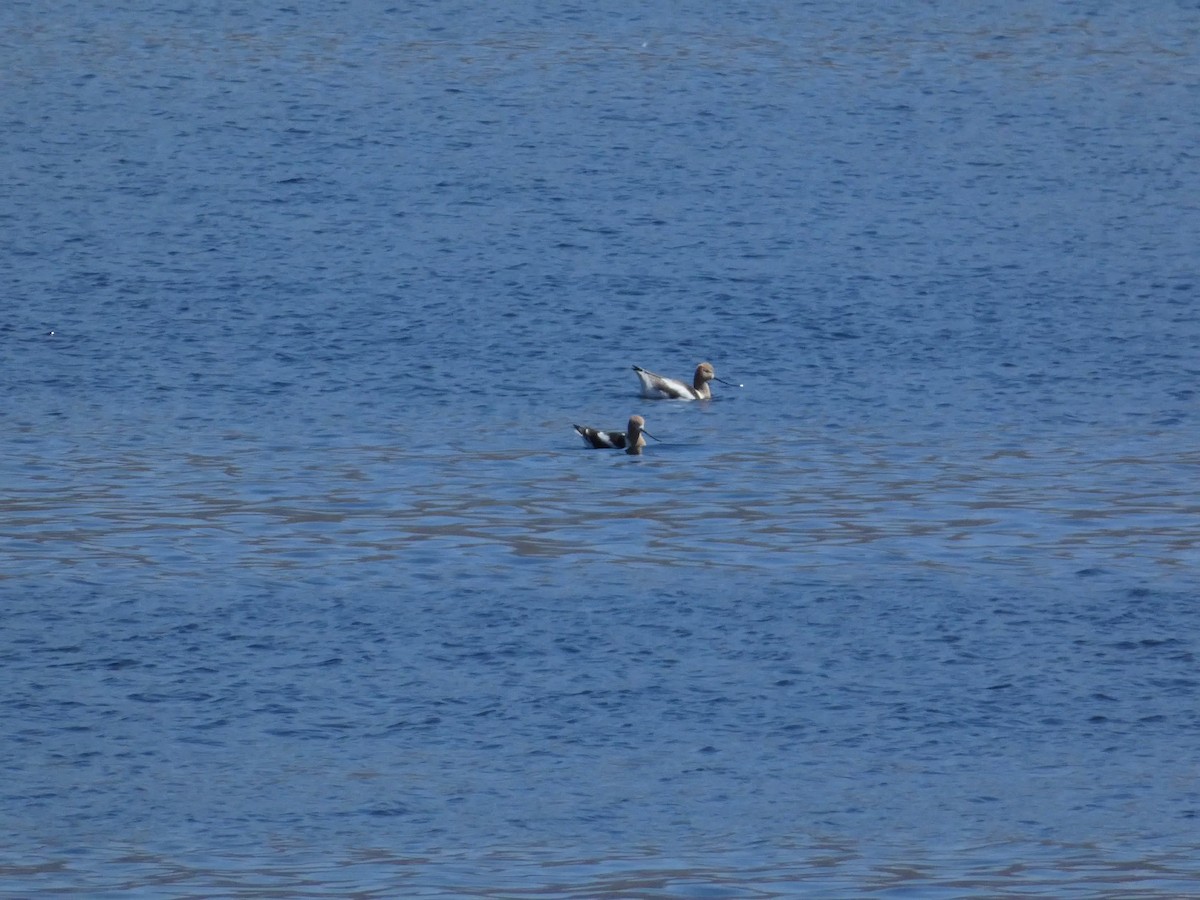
(656, 387)
(631, 440)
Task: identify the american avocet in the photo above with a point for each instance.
(656, 387)
(630, 441)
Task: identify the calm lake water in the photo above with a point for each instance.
(310, 589)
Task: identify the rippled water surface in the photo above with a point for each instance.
(309, 587)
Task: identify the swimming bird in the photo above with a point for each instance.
(631, 441)
(660, 388)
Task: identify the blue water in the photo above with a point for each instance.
(309, 587)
